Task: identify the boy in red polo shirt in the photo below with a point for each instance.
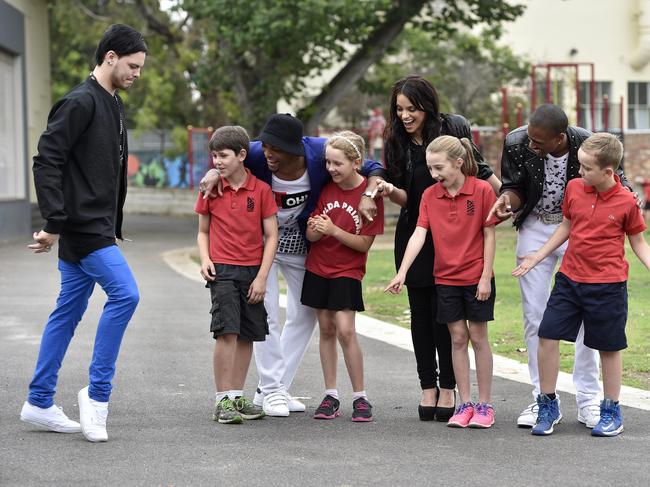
(455, 209)
(591, 285)
(237, 239)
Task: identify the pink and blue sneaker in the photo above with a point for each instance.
(462, 416)
(483, 416)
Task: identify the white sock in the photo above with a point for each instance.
(235, 394)
(332, 392)
(218, 396)
(357, 395)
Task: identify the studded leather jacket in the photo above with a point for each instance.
(522, 171)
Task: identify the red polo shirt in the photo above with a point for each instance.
(236, 233)
(456, 224)
(599, 223)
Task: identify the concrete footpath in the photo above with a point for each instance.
(160, 428)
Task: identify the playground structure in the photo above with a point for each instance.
(561, 84)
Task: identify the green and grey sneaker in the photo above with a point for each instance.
(225, 412)
(247, 409)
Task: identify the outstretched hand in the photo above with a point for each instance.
(396, 285)
(527, 263)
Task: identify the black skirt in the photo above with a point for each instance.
(336, 294)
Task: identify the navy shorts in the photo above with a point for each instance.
(459, 303)
(335, 294)
(601, 307)
(231, 313)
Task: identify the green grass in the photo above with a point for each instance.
(506, 332)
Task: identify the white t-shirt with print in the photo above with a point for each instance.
(291, 197)
(554, 184)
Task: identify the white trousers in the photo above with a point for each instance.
(535, 291)
(279, 356)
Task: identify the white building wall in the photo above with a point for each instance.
(605, 32)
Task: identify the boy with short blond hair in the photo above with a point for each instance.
(591, 285)
(237, 240)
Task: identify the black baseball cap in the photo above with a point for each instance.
(283, 131)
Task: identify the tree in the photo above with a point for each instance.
(162, 98)
(268, 50)
(467, 70)
(219, 61)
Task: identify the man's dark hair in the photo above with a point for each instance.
(231, 137)
(122, 39)
(550, 118)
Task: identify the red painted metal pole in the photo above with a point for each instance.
(533, 95)
(190, 155)
(504, 110)
(605, 113)
(620, 113)
(577, 95)
(593, 96)
(549, 98)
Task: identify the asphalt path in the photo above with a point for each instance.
(160, 427)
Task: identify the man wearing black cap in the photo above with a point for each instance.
(294, 166)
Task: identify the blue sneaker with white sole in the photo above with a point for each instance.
(548, 416)
(611, 420)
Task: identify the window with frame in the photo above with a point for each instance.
(638, 109)
(603, 89)
(12, 159)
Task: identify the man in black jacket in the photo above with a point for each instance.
(80, 178)
(537, 162)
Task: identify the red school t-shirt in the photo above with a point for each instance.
(330, 258)
(599, 223)
(456, 224)
(236, 233)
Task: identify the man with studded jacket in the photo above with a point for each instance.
(537, 162)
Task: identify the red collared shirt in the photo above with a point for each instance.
(599, 223)
(456, 224)
(236, 234)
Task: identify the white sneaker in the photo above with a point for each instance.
(92, 416)
(528, 416)
(589, 415)
(52, 418)
(276, 404)
(295, 406)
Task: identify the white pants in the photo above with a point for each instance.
(279, 356)
(535, 291)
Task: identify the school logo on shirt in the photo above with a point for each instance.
(250, 204)
(470, 207)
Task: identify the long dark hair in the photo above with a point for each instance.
(423, 96)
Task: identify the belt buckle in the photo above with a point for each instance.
(550, 218)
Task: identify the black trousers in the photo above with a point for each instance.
(430, 339)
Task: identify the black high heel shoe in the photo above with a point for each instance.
(444, 413)
(428, 413)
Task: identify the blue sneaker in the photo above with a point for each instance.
(548, 416)
(611, 419)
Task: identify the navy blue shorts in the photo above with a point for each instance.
(601, 307)
(459, 303)
(231, 312)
